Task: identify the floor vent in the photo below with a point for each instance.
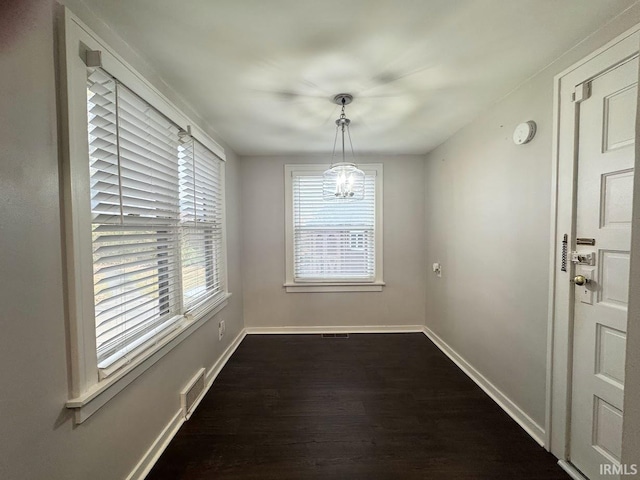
(192, 394)
(335, 335)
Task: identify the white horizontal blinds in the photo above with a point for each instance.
(133, 155)
(201, 215)
(333, 241)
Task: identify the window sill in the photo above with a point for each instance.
(333, 287)
(97, 396)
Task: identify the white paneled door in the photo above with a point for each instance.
(601, 275)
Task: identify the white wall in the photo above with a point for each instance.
(39, 439)
(266, 304)
(488, 223)
(631, 424)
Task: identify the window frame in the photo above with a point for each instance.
(88, 392)
(293, 286)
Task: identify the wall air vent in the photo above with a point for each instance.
(192, 394)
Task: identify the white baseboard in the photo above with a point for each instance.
(159, 445)
(335, 329)
(515, 412)
(213, 372)
(572, 471)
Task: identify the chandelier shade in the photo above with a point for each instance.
(343, 181)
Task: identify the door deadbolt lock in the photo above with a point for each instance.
(583, 258)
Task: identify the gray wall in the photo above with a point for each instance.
(266, 304)
(38, 438)
(488, 223)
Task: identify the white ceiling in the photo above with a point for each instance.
(262, 72)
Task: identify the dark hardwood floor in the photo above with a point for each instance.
(373, 406)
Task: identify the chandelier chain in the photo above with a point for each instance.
(353, 153)
(335, 142)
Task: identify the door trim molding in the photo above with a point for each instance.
(563, 178)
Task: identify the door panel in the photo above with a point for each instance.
(618, 108)
(617, 194)
(608, 432)
(611, 349)
(614, 274)
(603, 213)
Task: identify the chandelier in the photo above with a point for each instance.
(343, 181)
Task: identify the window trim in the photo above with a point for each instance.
(293, 286)
(87, 391)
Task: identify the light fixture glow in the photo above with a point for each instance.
(343, 181)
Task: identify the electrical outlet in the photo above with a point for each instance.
(221, 328)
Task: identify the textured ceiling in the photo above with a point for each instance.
(262, 72)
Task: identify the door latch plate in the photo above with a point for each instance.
(585, 292)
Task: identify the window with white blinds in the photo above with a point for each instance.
(332, 241)
(156, 205)
(201, 214)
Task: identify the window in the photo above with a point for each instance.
(134, 206)
(144, 220)
(201, 214)
(156, 205)
(331, 245)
